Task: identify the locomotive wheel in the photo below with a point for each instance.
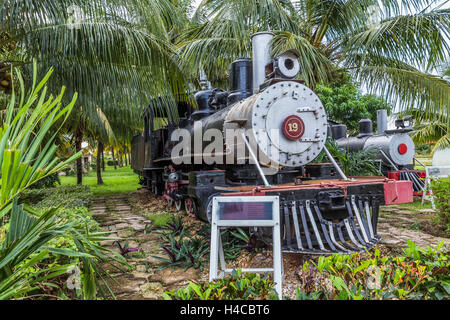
(209, 207)
(155, 190)
(190, 207)
(178, 204)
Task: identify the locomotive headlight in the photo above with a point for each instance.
(174, 177)
(288, 65)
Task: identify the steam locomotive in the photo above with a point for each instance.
(394, 149)
(260, 139)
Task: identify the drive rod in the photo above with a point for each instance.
(266, 183)
(336, 166)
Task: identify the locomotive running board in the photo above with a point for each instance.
(304, 230)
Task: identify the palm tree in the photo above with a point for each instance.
(433, 128)
(116, 54)
(391, 56)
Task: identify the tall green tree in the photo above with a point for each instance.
(389, 46)
(116, 54)
(345, 103)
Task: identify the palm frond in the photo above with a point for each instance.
(315, 66)
(420, 39)
(409, 88)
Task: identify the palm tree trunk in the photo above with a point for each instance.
(114, 158)
(103, 158)
(79, 163)
(99, 153)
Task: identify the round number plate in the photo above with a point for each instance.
(402, 148)
(293, 127)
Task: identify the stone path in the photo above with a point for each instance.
(145, 280)
(393, 225)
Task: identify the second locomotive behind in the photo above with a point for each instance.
(394, 148)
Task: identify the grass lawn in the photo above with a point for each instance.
(417, 204)
(115, 181)
(426, 160)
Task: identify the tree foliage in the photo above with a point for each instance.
(27, 150)
(389, 46)
(345, 104)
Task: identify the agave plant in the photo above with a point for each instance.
(27, 153)
(25, 253)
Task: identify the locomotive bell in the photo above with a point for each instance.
(365, 128)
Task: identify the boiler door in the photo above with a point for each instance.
(289, 123)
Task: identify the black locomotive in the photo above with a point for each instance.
(260, 139)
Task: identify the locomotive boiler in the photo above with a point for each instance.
(259, 138)
(393, 148)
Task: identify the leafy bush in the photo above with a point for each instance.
(424, 149)
(345, 104)
(359, 163)
(441, 194)
(40, 248)
(111, 163)
(47, 182)
(238, 286)
(70, 171)
(188, 251)
(64, 196)
(418, 274)
(183, 252)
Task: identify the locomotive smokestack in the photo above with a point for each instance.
(381, 121)
(261, 57)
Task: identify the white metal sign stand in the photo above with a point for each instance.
(251, 216)
(433, 172)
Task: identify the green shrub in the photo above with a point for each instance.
(183, 252)
(359, 163)
(424, 149)
(47, 182)
(344, 103)
(64, 196)
(188, 251)
(40, 250)
(111, 163)
(418, 274)
(70, 171)
(238, 286)
(441, 192)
